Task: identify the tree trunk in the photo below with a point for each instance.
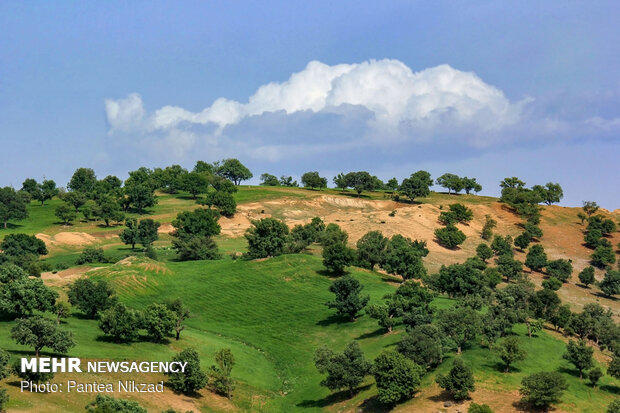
(36, 352)
(458, 349)
(178, 334)
(529, 330)
(6, 223)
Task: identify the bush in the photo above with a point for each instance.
(91, 255)
(108, 404)
(266, 237)
(543, 389)
(561, 269)
(479, 408)
(450, 236)
(193, 378)
(196, 247)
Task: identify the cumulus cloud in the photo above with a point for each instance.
(126, 114)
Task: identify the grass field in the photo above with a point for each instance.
(271, 313)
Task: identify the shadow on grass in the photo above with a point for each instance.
(334, 319)
(194, 395)
(377, 333)
(332, 398)
(9, 226)
(610, 388)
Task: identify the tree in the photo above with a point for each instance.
(182, 313)
(523, 240)
(204, 167)
(561, 317)
(404, 257)
(90, 255)
(487, 229)
(479, 408)
(586, 276)
(345, 370)
(75, 199)
(451, 182)
(603, 256)
(313, 180)
(450, 236)
(484, 252)
(220, 380)
(233, 170)
(12, 206)
(192, 378)
(31, 186)
(147, 232)
(509, 351)
(340, 181)
(458, 280)
(193, 232)
(590, 207)
(23, 296)
(196, 247)
(195, 183)
(288, 181)
(348, 300)
(459, 381)
(4, 399)
(62, 309)
(593, 238)
(594, 375)
(422, 345)
(459, 324)
(610, 285)
(337, 256)
(396, 377)
(140, 197)
(19, 245)
(532, 230)
(552, 193)
(543, 389)
(108, 404)
(91, 297)
(614, 407)
(39, 332)
(109, 210)
(129, 236)
(502, 245)
(417, 185)
(266, 238)
(158, 321)
(371, 249)
(536, 258)
(269, 180)
(223, 201)
(392, 185)
(359, 181)
(470, 184)
(83, 180)
(43, 191)
(120, 322)
(580, 355)
(561, 269)
(461, 213)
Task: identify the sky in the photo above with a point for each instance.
(483, 89)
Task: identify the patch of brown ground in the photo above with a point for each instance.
(165, 229)
(67, 238)
(64, 277)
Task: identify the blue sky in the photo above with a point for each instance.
(485, 89)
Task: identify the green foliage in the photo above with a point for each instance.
(614, 407)
(458, 280)
(195, 183)
(447, 218)
(502, 245)
(223, 201)
(233, 170)
(38, 332)
(470, 184)
(360, 181)
(580, 355)
(313, 180)
(603, 256)
(12, 205)
(422, 345)
(193, 378)
(586, 276)
(23, 296)
(193, 232)
(91, 255)
(484, 252)
(593, 238)
(196, 247)
(552, 284)
(129, 236)
(487, 228)
(4, 365)
(147, 232)
(561, 269)
(220, 380)
(479, 408)
(140, 197)
(269, 180)
(404, 257)
(451, 182)
(543, 389)
(266, 237)
(158, 321)
(594, 375)
(65, 213)
(109, 210)
(371, 249)
(348, 301)
(536, 258)
(450, 236)
(91, 297)
(345, 370)
(108, 404)
(613, 369)
(600, 223)
(417, 185)
(396, 377)
(610, 285)
(508, 267)
(462, 213)
(523, 240)
(4, 399)
(459, 324)
(120, 322)
(181, 314)
(288, 181)
(459, 381)
(551, 193)
(509, 350)
(19, 245)
(337, 256)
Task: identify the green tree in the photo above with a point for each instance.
(509, 351)
(337, 256)
(196, 247)
(392, 185)
(451, 182)
(396, 377)
(603, 256)
(129, 236)
(193, 378)
(83, 180)
(580, 355)
(220, 379)
(479, 408)
(345, 370)
(487, 228)
(551, 193)
(340, 181)
(195, 183)
(594, 375)
(543, 389)
(31, 186)
(423, 345)
(39, 332)
(450, 236)
(90, 255)
(561, 269)
(360, 181)
(614, 407)
(45, 191)
(91, 297)
(233, 170)
(371, 249)
(590, 207)
(158, 321)
(288, 181)
(459, 324)
(193, 234)
(313, 180)
(484, 252)
(536, 258)
(19, 245)
(470, 184)
(348, 301)
(462, 213)
(223, 201)
(23, 296)
(502, 245)
(417, 185)
(266, 238)
(269, 180)
(182, 313)
(140, 197)
(108, 404)
(75, 199)
(109, 210)
(62, 309)
(404, 257)
(523, 240)
(610, 285)
(12, 206)
(120, 322)
(147, 232)
(459, 381)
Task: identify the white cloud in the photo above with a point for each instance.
(388, 88)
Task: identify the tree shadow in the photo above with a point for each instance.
(569, 371)
(377, 333)
(610, 388)
(9, 226)
(444, 396)
(194, 395)
(332, 398)
(373, 405)
(601, 295)
(436, 241)
(333, 319)
(330, 274)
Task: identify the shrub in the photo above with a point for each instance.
(450, 236)
(91, 255)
